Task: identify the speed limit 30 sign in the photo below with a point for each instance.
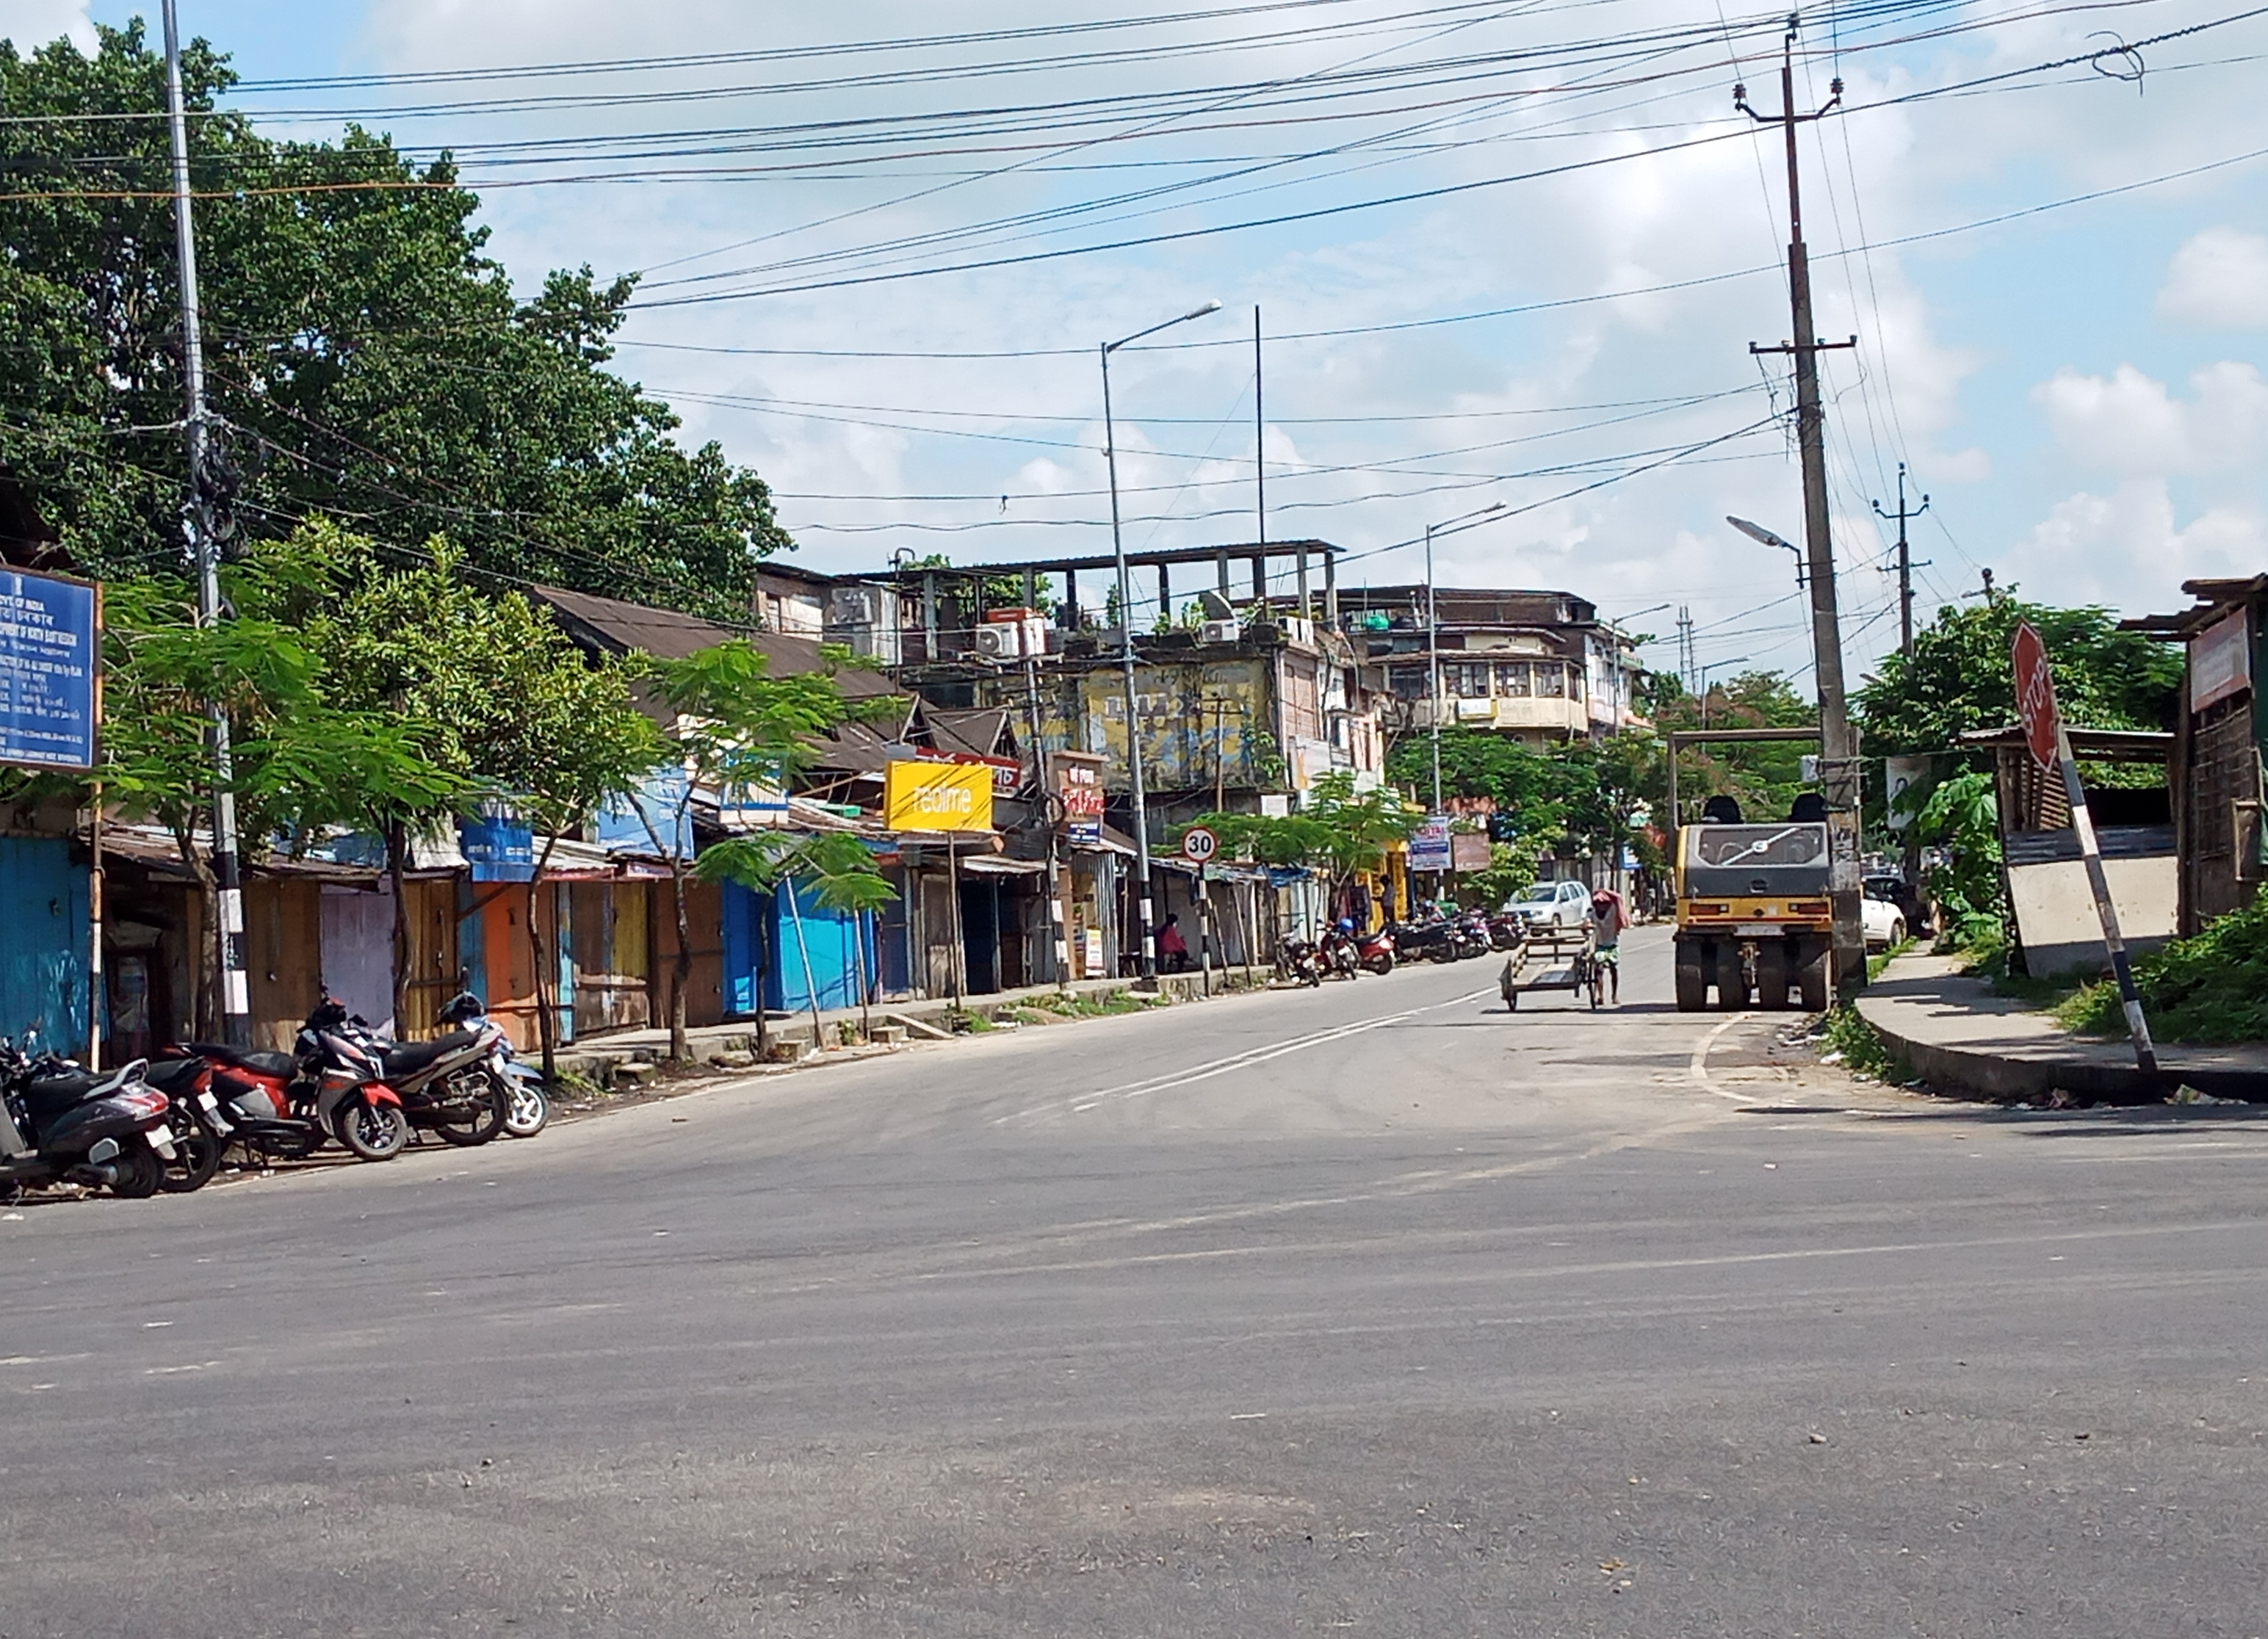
(1199, 845)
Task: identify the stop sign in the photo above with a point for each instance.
(2036, 701)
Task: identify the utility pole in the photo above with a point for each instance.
(1838, 755)
(1147, 906)
(1905, 560)
(1685, 646)
(235, 988)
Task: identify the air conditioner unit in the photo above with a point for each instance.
(1001, 642)
(1219, 632)
(1298, 630)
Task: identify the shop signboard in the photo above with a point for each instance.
(919, 795)
(49, 671)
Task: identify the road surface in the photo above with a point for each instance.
(1370, 1309)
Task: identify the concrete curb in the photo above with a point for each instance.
(2028, 1070)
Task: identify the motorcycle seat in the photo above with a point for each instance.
(173, 1076)
(406, 1058)
(245, 1058)
(51, 1095)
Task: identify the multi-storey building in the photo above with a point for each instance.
(1540, 665)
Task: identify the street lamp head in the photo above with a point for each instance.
(1758, 533)
(1199, 313)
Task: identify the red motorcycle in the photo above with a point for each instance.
(285, 1105)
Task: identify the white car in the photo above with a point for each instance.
(1884, 923)
(1561, 904)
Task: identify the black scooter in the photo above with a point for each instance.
(60, 1124)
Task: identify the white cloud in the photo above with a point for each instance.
(2129, 424)
(2095, 548)
(31, 24)
(2218, 280)
(1395, 429)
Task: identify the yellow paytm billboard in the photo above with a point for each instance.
(922, 795)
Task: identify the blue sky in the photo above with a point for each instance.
(2079, 391)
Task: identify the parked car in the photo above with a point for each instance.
(1884, 923)
(1554, 904)
(1892, 889)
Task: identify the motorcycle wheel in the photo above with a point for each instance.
(373, 1131)
(140, 1174)
(526, 1111)
(197, 1151)
(489, 1117)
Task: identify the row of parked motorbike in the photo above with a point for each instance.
(1346, 951)
(168, 1123)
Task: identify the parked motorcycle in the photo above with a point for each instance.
(193, 1118)
(1297, 961)
(1506, 931)
(1336, 954)
(449, 1085)
(1375, 951)
(1469, 934)
(528, 1108)
(1426, 940)
(341, 1083)
(60, 1124)
(259, 1100)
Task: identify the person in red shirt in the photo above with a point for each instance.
(1173, 950)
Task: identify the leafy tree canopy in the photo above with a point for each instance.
(367, 359)
(1575, 799)
(1958, 676)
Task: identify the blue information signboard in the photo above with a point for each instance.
(47, 669)
(498, 847)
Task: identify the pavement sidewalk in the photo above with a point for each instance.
(595, 1057)
(1956, 1032)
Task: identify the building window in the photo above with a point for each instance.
(1551, 679)
(1410, 682)
(1511, 678)
(1466, 680)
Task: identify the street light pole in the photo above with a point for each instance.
(235, 988)
(1433, 663)
(1838, 763)
(1126, 646)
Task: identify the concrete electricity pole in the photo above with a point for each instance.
(235, 989)
(1838, 762)
(1147, 907)
(1905, 560)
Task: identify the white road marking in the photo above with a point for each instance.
(1211, 1068)
(1697, 1068)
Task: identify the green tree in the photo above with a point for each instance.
(503, 701)
(1958, 676)
(1961, 817)
(304, 760)
(734, 727)
(841, 875)
(1764, 777)
(366, 357)
(1338, 831)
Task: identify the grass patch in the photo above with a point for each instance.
(1860, 1047)
(1876, 964)
(2210, 990)
(1989, 957)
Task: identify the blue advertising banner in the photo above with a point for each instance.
(497, 847)
(47, 663)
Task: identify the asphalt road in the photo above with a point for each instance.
(1372, 1309)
